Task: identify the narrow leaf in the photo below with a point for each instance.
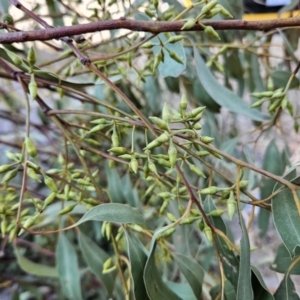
(192, 271)
(244, 289)
(221, 94)
(138, 258)
(112, 212)
(95, 257)
(156, 288)
(68, 270)
(33, 268)
(230, 262)
(272, 154)
(286, 219)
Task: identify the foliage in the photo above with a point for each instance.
(128, 156)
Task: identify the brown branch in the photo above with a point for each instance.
(145, 26)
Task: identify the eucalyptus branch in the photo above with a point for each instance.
(154, 27)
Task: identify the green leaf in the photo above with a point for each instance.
(138, 257)
(33, 268)
(183, 290)
(68, 270)
(260, 289)
(283, 261)
(280, 79)
(156, 288)
(170, 67)
(271, 155)
(230, 262)
(115, 187)
(113, 212)
(221, 94)
(286, 219)
(286, 290)
(244, 289)
(192, 271)
(95, 257)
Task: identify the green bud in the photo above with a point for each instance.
(171, 217)
(28, 223)
(258, 103)
(206, 8)
(195, 212)
(225, 194)
(164, 206)
(149, 45)
(175, 38)
(278, 94)
(152, 167)
(174, 56)
(115, 138)
(202, 153)
(206, 139)
(166, 114)
(243, 184)
(98, 128)
(164, 162)
(134, 165)
(166, 233)
(165, 195)
(226, 13)
(9, 175)
(67, 209)
(32, 174)
(49, 199)
(32, 86)
(172, 152)
(118, 150)
(211, 32)
(189, 220)
(201, 225)
(50, 183)
(83, 181)
(207, 231)
(270, 84)
(108, 230)
(109, 270)
(100, 121)
(182, 190)
(13, 156)
(274, 105)
(31, 57)
(284, 102)
(159, 123)
(149, 13)
(90, 201)
(157, 60)
(216, 213)
(164, 137)
(107, 263)
(150, 189)
(183, 103)
(4, 168)
(3, 226)
(290, 108)
(146, 169)
(210, 190)
(125, 156)
(231, 205)
(196, 170)
(8, 19)
(197, 126)
(196, 111)
(190, 23)
(137, 228)
(31, 150)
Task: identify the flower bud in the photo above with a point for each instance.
(32, 174)
(118, 150)
(15, 59)
(216, 213)
(31, 150)
(207, 231)
(166, 114)
(172, 152)
(183, 103)
(231, 205)
(9, 175)
(159, 123)
(196, 170)
(28, 223)
(174, 56)
(32, 86)
(211, 32)
(210, 190)
(190, 23)
(31, 57)
(171, 217)
(134, 165)
(164, 206)
(67, 209)
(4, 168)
(137, 228)
(175, 38)
(115, 138)
(50, 183)
(152, 167)
(206, 8)
(206, 139)
(49, 199)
